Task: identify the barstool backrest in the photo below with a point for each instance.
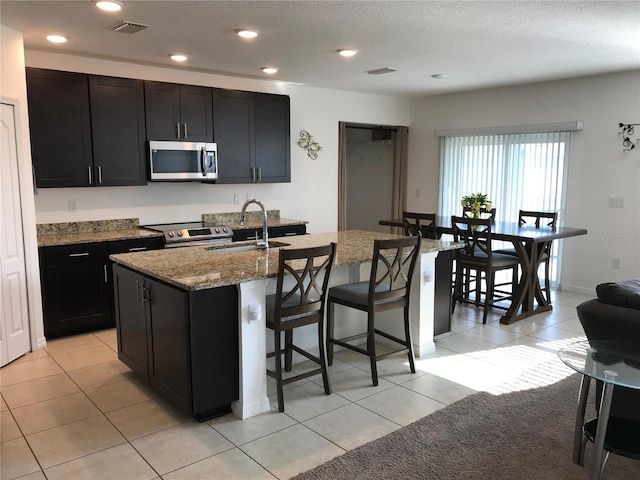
(303, 279)
(392, 270)
(423, 223)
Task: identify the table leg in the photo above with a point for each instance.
(578, 442)
(601, 429)
(528, 285)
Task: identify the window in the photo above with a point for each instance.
(521, 171)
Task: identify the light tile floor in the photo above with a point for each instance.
(73, 411)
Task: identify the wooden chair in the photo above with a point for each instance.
(477, 258)
(388, 287)
(301, 304)
(424, 223)
(539, 220)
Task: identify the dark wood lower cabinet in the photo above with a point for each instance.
(442, 294)
(76, 289)
(184, 343)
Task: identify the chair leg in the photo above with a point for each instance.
(330, 311)
(407, 336)
(457, 288)
(371, 348)
(288, 351)
(547, 282)
(488, 297)
(323, 359)
(278, 360)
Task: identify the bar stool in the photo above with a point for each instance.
(539, 220)
(301, 304)
(388, 287)
(477, 256)
(425, 223)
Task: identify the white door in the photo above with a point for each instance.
(14, 314)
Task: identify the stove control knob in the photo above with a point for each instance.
(225, 229)
(180, 233)
(217, 230)
(171, 233)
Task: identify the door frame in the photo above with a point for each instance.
(400, 149)
(29, 234)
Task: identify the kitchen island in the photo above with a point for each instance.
(192, 321)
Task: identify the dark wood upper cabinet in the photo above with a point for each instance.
(233, 134)
(272, 137)
(60, 128)
(86, 130)
(118, 131)
(178, 112)
(252, 131)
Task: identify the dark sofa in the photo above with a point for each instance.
(615, 316)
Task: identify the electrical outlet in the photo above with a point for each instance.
(73, 205)
(236, 198)
(418, 193)
(616, 263)
(249, 196)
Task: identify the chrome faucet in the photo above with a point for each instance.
(265, 230)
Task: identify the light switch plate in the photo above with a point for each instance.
(616, 202)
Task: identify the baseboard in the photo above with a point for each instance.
(577, 289)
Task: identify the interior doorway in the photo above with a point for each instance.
(372, 179)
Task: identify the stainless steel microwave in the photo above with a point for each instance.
(182, 161)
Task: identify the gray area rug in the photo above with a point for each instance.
(520, 435)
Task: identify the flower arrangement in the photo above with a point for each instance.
(476, 202)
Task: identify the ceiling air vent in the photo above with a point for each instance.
(129, 27)
(381, 71)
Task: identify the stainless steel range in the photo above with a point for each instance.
(191, 234)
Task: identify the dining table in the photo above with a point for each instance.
(529, 242)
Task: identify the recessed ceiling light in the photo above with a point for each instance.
(347, 52)
(269, 70)
(57, 38)
(246, 33)
(109, 6)
(178, 57)
(439, 76)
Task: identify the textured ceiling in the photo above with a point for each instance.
(475, 43)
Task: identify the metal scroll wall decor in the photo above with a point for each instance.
(625, 133)
(306, 142)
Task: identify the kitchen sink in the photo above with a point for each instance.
(230, 248)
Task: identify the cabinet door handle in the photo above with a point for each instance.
(259, 174)
(83, 254)
(178, 131)
(146, 294)
(99, 174)
(185, 130)
(106, 278)
(253, 174)
(90, 176)
(137, 249)
(290, 234)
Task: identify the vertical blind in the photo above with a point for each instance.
(523, 171)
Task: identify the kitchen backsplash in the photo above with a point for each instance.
(234, 217)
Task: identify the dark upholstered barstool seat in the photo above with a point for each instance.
(388, 288)
(300, 299)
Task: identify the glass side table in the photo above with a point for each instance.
(617, 364)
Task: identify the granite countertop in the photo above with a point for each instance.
(196, 268)
(52, 234)
(70, 233)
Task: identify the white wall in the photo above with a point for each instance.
(311, 195)
(13, 88)
(598, 167)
